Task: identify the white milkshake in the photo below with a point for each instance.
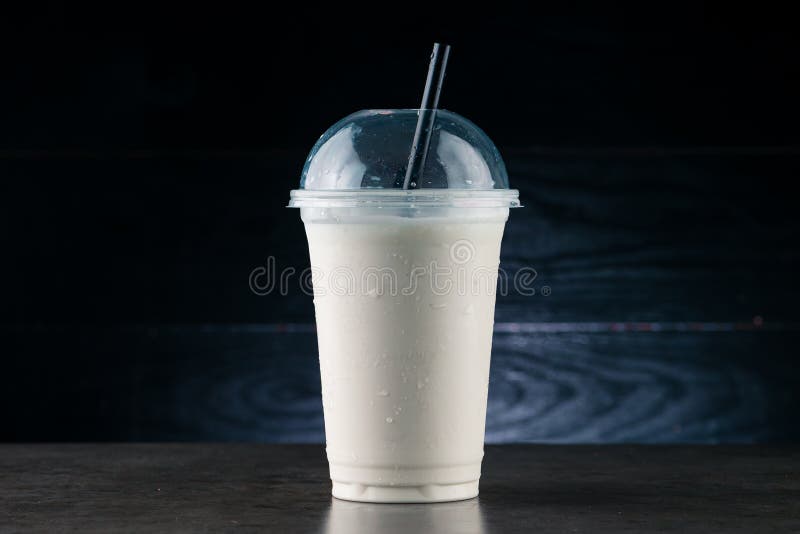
(405, 309)
(404, 292)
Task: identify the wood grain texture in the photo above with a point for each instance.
(145, 174)
(241, 384)
(234, 487)
(654, 238)
(614, 237)
(526, 75)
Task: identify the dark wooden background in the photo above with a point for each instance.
(146, 158)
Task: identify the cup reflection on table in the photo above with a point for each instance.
(463, 517)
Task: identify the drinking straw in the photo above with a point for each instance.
(426, 116)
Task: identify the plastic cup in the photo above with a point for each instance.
(404, 292)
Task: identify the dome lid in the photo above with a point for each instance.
(366, 154)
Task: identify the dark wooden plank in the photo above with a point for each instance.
(654, 238)
(261, 383)
(526, 75)
(616, 237)
(190, 488)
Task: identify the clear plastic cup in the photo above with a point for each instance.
(404, 293)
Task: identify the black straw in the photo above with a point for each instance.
(426, 117)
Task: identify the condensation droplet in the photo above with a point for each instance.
(389, 420)
(383, 393)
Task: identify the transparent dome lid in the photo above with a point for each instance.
(366, 154)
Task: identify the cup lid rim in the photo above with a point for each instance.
(394, 198)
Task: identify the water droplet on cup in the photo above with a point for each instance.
(389, 420)
(383, 393)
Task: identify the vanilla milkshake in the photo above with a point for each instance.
(404, 324)
(404, 294)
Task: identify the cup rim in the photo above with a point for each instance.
(404, 198)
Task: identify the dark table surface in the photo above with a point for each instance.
(285, 488)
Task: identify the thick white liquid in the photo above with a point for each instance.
(405, 367)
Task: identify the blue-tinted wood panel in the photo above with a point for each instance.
(261, 383)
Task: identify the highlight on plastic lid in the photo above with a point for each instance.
(368, 152)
